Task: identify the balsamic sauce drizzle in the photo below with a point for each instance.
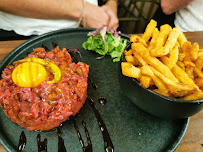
(87, 148)
(95, 87)
(108, 145)
(45, 47)
(42, 146)
(73, 57)
(22, 141)
(54, 44)
(61, 146)
(102, 100)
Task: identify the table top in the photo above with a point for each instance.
(193, 139)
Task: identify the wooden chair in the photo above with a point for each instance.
(134, 15)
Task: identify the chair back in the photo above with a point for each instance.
(134, 15)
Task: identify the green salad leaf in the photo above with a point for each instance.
(105, 42)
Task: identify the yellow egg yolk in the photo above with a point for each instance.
(29, 74)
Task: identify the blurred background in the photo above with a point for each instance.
(134, 15)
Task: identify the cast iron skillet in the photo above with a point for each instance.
(154, 103)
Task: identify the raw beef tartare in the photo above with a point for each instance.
(46, 105)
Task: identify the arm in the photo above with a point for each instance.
(98, 16)
(111, 9)
(171, 6)
(95, 16)
(43, 9)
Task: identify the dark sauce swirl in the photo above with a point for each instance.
(61, 146)
(42, 146)
(54, 44)
(87, 148)
(45, 47)
(101, 100)
(22, 141)
(108, 145)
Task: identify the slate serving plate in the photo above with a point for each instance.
(130, 128)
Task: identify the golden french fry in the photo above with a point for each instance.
(172, 39)
(153, 61)
(139, 58)
(166, 27)
(146, 81)
(131, 59)
(199, 82)
(157, 91)
(181, 65)
(161, 85)
(178, 86)
(138, 39)
(130, 70)
(189, 69)
(130, 52)
(153, 41)
(182, 39)
(199, 62)
(190, 72)
(189, 64)
(163, 35)
(178, 44)
(198, 72)
(200, 53)
(177, 93)
(172, 59)
(182, 76)
(187, 46)
(194, 51)
(181, 56)
(146, 70)
(149, 30)
(170, 43)
(196, 95)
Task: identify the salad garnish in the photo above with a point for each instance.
(105, 42)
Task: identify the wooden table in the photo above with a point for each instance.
(193, 139)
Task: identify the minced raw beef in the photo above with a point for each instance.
(48, 105)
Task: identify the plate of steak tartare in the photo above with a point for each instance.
(130, 129)
(45, 106)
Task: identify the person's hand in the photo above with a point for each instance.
(111, 9)
(94, 16)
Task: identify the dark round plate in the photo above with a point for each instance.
(130, 128)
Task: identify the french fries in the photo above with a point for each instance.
(146, 81)
(172, 59)
(135, 38)
(153, 41)
(167, 60)
(149, 30)
(144, 53)
(129, 70)
(170, 43)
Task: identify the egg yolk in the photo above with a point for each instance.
(53, 67)
(29, 74)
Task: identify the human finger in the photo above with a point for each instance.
(113, 19)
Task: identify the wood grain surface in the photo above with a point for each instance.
(193, 139)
